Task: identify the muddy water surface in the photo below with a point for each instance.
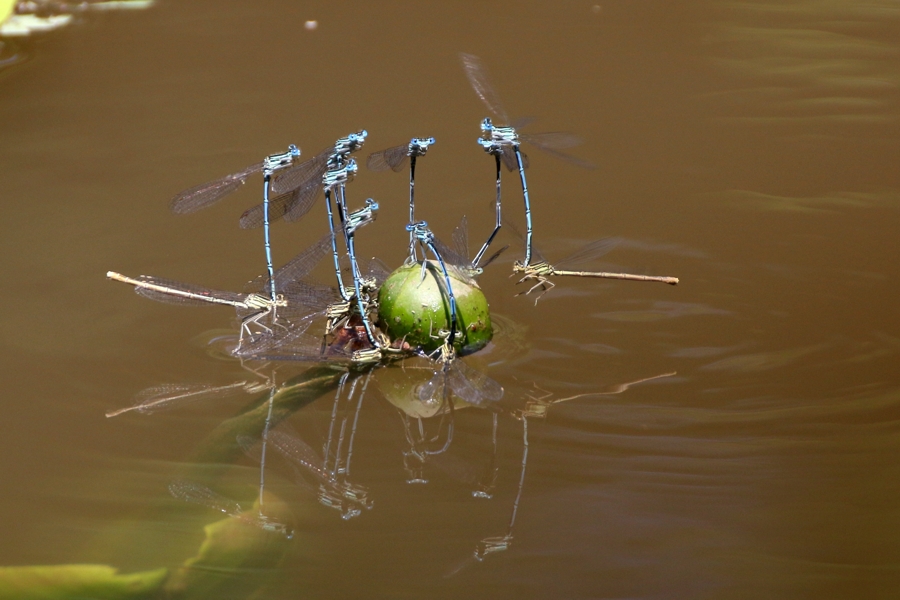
(750, 149)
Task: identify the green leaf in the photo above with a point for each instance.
(6, 8)
(234, 561)
(81, 582)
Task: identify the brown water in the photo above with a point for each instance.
(750, 149)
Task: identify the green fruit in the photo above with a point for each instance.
(416, 309)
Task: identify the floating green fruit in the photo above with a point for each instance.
(416, 309)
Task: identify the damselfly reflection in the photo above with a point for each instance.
(162, 397)
(330, 470)
(468, 384)
(494, 544)
(453, 375)
(197, 493)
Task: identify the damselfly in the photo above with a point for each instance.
(541, 271)
(174, 292)
(424, 236)
(354, 221)
(394, 159)
(503, 142)
(295, 188)
(211, 192)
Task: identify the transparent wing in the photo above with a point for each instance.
(301, 265)
(434, 390)
(207, 194)
(391, 158)
(591, 251)
(521, 122)
(302, 200)
(289, 341)
(291, 206)
(480, 80)
(298, 452)
(278, 207)
(316, 296)
(293, 177)
(461, 238)
(377, 269)
(555, 140)
(197, 493)
(473, 386)
(550, 142)
(294, 345)
(509, 159)
(450, 256)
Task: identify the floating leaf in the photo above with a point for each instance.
(64, 582)
(234, 560)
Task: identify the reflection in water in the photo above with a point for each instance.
(197, 493)
(801, 61)
(829, 203)
(169, 395)
(161, 397)
(781, 460)
(661, 310)
(332, 472)
(763, 361)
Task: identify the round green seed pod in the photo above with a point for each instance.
(416, 309)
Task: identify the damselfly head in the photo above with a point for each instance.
(490, 146)
(417, 226)
(275, 162)
(345, 145)
(356, 140)
(419, 146)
